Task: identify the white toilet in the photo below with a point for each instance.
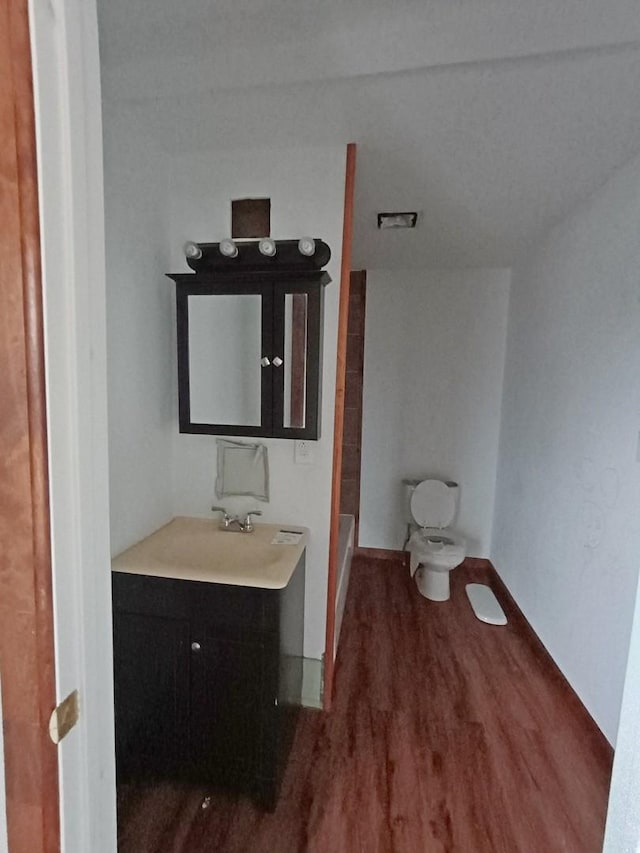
(434, 549)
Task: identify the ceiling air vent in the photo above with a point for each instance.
(405, 219)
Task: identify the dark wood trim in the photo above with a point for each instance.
(338, 424)
(210, 282)
(267, 415)
(26, 608)
(276, 374)
(313, 358)
(182, 338)
(250, 261)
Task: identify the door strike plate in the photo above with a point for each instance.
(64, 717)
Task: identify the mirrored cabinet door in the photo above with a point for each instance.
(296, 339)
(224, 359)
(297, 323)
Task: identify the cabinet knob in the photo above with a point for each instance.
(195, 647)
(264, 361)
(277, 361)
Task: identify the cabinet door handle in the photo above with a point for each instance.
(195, 647)
(277, 361)
(264, 361)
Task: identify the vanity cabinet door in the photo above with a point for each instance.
(207, 680)
(227, 704)
(151, 666)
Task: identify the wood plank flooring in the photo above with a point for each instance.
(446, 735)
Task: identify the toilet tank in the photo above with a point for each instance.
(409, 485)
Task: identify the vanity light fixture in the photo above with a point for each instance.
(405, 219)
(192, 250)
(267, 247)
(307, 246)
(228, 248)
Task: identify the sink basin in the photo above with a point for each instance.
(212, 549)
(196, 549)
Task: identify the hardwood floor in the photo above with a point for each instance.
(446, 735)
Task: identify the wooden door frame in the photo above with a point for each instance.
(26, 602)
(338, 425)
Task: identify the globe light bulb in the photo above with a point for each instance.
(307, 246)
(192, 250)
(267, 247)
(228, 248)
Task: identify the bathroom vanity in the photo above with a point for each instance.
(208, 632)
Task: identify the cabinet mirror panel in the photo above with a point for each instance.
(224, 358)
(295, 359)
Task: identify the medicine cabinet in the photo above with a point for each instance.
(249, 334)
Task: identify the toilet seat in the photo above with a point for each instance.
(445, 554)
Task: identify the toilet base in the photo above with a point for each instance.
(433, 584)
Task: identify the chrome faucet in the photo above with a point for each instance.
(232, 524)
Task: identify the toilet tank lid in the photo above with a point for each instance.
(433, 504)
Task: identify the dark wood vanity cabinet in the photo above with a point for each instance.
(208, 681)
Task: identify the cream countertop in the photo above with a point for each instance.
(196, 549)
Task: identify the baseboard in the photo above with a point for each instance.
(312, 682)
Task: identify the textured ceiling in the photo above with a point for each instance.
(492, 150)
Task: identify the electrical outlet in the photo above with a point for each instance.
(303, 452)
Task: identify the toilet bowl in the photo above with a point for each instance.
(434, 548)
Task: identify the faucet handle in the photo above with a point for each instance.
(226, 518)
(248, 523)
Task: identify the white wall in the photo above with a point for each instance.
(567, 526)
(434, 359)
(140, 326)
(306, 188)
(623, 818)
